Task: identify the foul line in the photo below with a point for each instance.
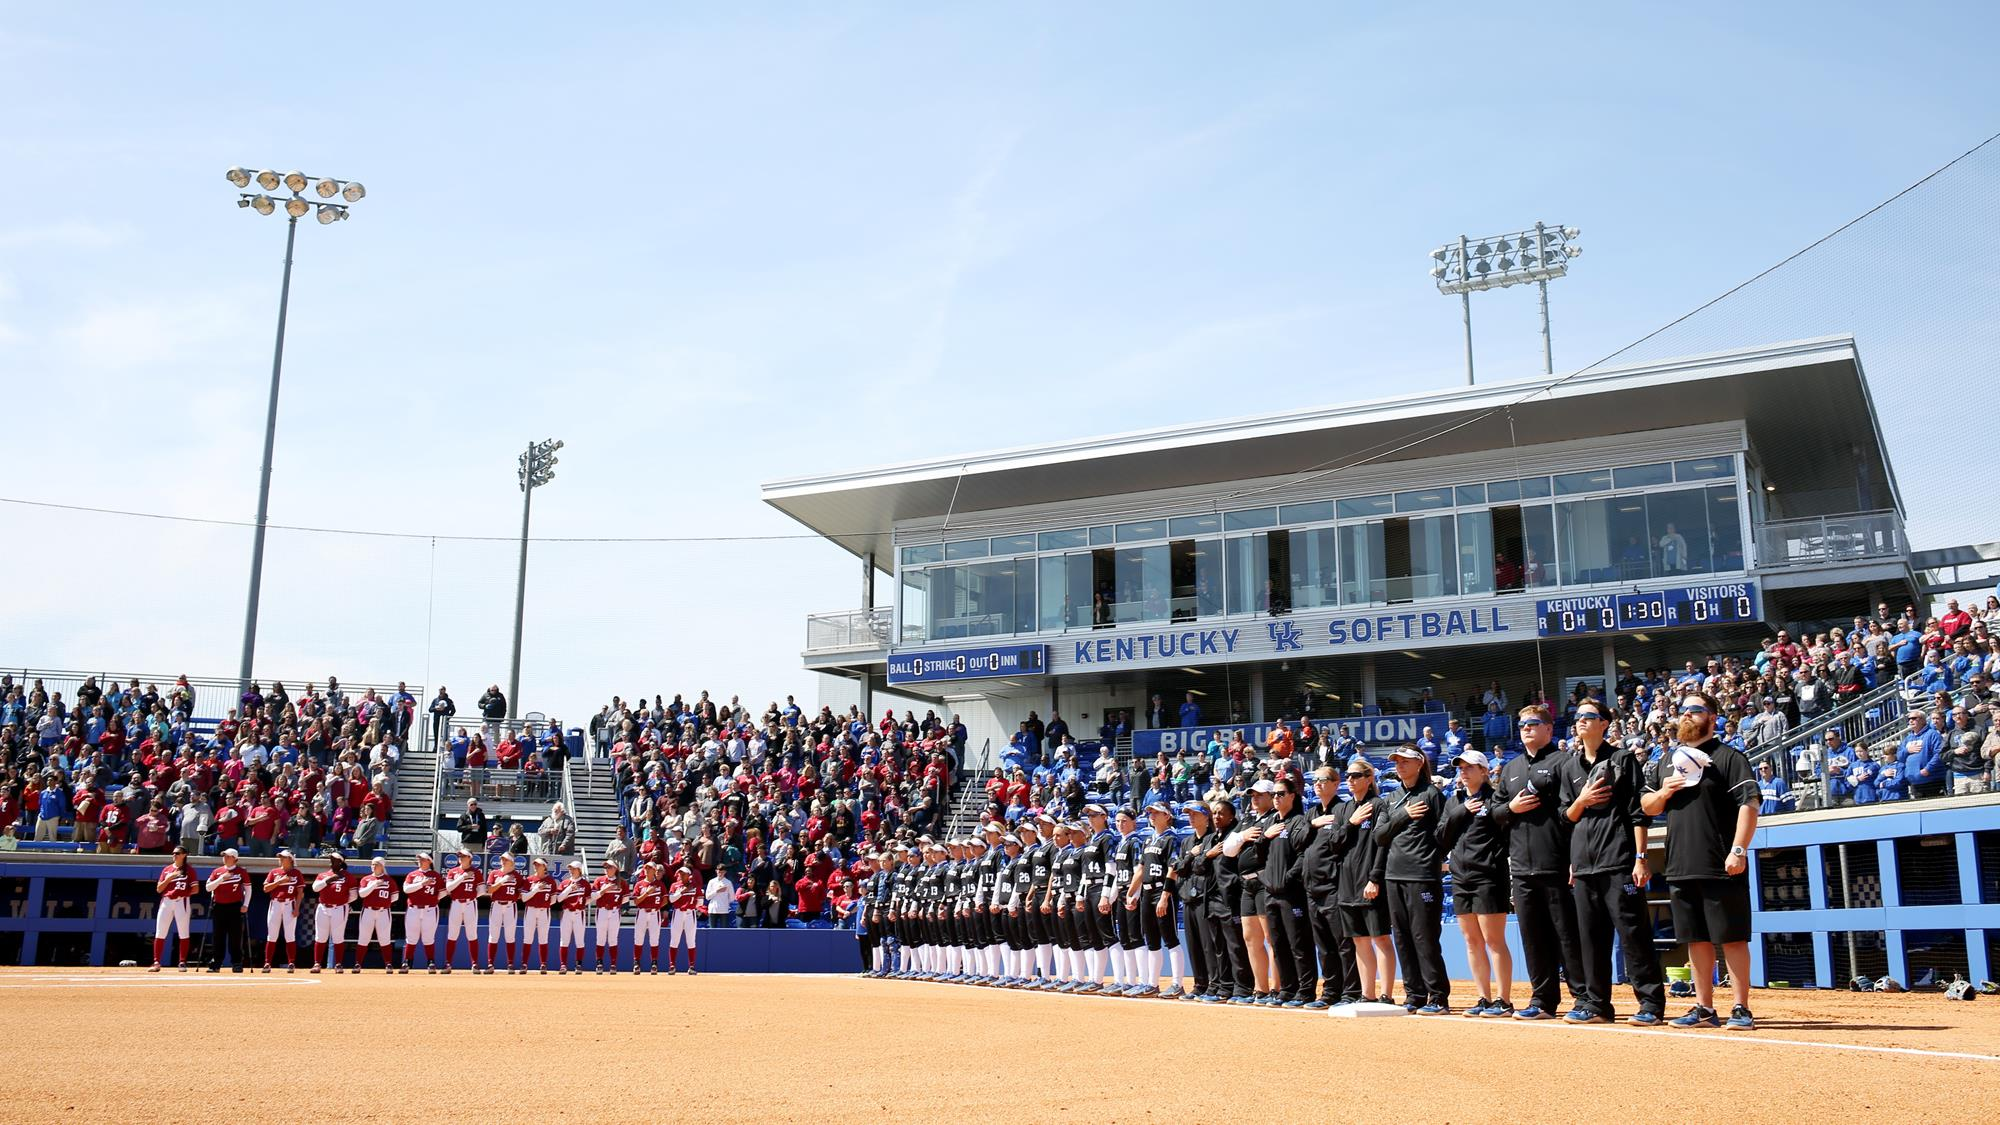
(143, 982)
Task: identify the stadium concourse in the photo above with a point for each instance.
(601, 1049)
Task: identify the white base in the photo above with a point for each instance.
(1365, 1010)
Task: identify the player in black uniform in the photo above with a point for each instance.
(1479, 884)
(902, 912)
(1285, 841)
(1412, 867)
(1530, 809)
(1125, 861)
(1601, 786)
(992, 942)
(1151, 897)
(1362, 901)
(1094, 910)
(1192, 874)
(1339, 982)
(1248, 845)
(1234, 984)
(1065, 885)
(1038, 908)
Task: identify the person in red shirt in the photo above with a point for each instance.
(607, 894)
(684, 897)
(536, 898)
(155, 827)
(89, 803)
(377, 894)
(112, 829)
(504, 889)
(1955, 620)
(572, 900)
(844, 900)
(463, 885)
(811, 897)
(508, 753)
(176, 884)
(228, 825)
(281, 886)
(228, 889)
(335, 888)
(649, 895)
(421, 890)
(263, 824)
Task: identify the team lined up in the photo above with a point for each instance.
(527, 908)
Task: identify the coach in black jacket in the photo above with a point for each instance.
(1601, 783)
(1411, 867)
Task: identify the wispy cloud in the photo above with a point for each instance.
(73, 234)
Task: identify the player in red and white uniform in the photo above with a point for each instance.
(649, 896)
(537, 896)
(177, 884)
(462, 885)
(572, 900)
(607, 894)
(685, 899)
(282, 886)
(376, 895)
(421, 890)
(335, 888)
(503, 887)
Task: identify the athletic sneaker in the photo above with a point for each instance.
(1645, 1019)
(1698, 1016)
(1478, 1009)
(1585, 1015)
(1240, 1000)
(1317, 1005)
(1434, 1010)
(1171, 992)
(1499, 1009)
(1740, 1019)
(1534, 1012)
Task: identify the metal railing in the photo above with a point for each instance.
(849, 629)
(1825, 540)
(214, 696)
(1862, 722)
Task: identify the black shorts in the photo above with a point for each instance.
(1713, 910)
(1369, 919)
(1251, 899)
(1490, 898)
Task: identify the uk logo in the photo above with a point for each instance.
(1286, 636)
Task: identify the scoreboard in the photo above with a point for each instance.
(1722, 603)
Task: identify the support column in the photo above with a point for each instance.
(1368, 681)
(868, 580)
(1257, 693)
(1610, 669)
(867, 697)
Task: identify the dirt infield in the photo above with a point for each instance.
(721, 1048)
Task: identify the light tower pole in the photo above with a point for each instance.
(538, 467)
(1536, 255)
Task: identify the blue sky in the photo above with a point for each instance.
(710, 249)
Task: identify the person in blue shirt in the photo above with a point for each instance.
(1920, 755)
(1455, 738)
(460, 743)
(1908, 647)
(49, 813)
(1190, 714)
(1777, 796)
(1861, 777)
(1892, 782)
(1497, 727)
(1428, 743)
(1933, 677)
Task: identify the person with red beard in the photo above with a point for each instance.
(1709, 796)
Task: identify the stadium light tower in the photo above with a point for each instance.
(538, 467)
(1536, 255)
(327, 210)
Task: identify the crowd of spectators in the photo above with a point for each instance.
(780, 806)
(130, 768)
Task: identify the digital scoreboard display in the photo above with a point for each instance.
(1722, 603)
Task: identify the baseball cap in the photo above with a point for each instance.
(1194, 807)
(378, 861)
(1406, 752)
(233, 851)
(538, 861)
(1473, 757)
(1093, 810)
(465, 851)
(1159, 807)
(576, 865)
(1264, 785)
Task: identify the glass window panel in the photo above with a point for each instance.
(1100, 536)
(914, 603)
(1475, 552)
(1472, 494)
(1643, 476)
(1249, 518)
(1314, 574)
(1603, 540)
(1063, 540)
(977, 600)
(1142, 530)
(928, 553)
(1318, 511)
(965, 549)
(1023, 616)
(1423, 500)
(1053, 610)
(949, 601)
(1725, 528)
(1103, 587)
(1248, 562)
(1013, 544)
(1503, 491)
(1187, 526)
(1361, 507)
(1433, 559)
(1197, 578)
(1706, 468)
(1592, 480)
(1538, 540)
(1678, 522)
(1145, 584)
(1363, 564)
(1534, 488)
